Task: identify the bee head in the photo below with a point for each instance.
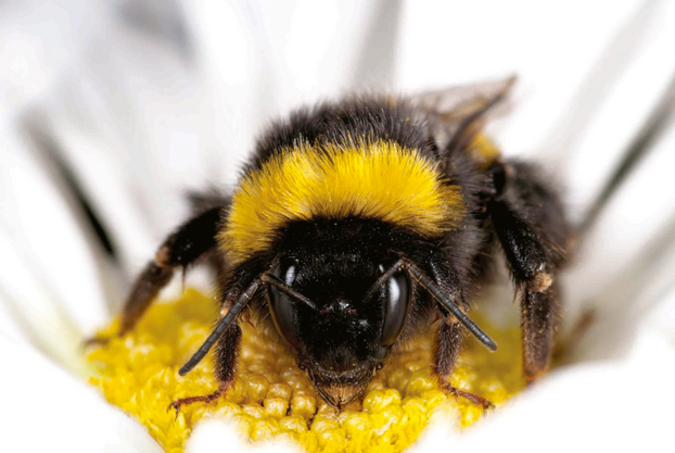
(341, 308)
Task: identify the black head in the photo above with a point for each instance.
(352, 313)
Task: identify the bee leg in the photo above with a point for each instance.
(528, 220)
(176, 405)
(446, 350)
(539, 314)
(227, 354)
(191, 241)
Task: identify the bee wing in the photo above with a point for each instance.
(461, 110)
(459, 101)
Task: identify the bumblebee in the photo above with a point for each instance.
(357, 223)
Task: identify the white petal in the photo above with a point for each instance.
(621, 103)
(10, 326)
(550, 46)
(215, 434)
(629, 254)
(635, 309)
(127, 125)
(45, 409)
(31, 313)
(39, 42)
(605, 407)
(47, 256)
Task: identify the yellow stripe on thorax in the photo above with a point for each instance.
(380, 181)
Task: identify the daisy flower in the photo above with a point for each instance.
(113, 111)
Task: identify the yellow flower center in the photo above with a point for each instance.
(272, 397)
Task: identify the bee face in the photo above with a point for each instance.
(358, 312)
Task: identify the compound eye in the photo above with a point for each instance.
(397, 301)
(282, 307)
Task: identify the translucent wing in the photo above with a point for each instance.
(461, 111)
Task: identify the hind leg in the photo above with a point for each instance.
(528, 220)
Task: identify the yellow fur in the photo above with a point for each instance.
(380, 181)
(483, 151)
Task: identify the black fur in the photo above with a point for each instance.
(341, 123)
(193, 239)
(227, 354)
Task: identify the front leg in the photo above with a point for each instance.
(225, 367)
(191, 241)
(529, 222)
(447, 345)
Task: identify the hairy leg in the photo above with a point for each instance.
(447, 345)
(182, 248)
(528, 220)
(226, 359)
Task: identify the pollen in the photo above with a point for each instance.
(272, 398)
